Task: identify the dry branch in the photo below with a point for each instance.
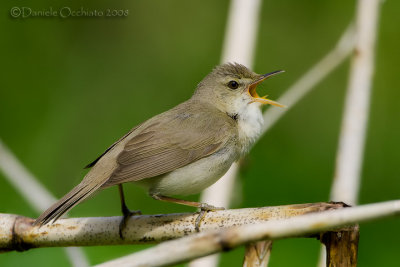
(208, 242)
(17, 233)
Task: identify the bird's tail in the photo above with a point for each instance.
(75, 196)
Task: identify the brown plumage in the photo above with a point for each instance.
(160, 145)
(183, 150)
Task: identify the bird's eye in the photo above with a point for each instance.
(233, 84)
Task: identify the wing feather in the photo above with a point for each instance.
(160, 148)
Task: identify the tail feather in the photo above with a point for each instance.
(74, 197)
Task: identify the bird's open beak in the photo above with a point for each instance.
(264, 100)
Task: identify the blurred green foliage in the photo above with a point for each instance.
(70, 87)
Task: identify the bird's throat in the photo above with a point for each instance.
(250, 121)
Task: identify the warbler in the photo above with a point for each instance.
(183, 150)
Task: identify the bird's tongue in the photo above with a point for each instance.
(262, 99)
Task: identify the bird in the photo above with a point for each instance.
(181, 151)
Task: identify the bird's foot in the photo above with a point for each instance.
(204, 208)
(127, 213)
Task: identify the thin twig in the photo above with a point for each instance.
(243, 20)
(347, 178)
(34, 193)
(17, 233)
(23, 181)
(206, 243)
(355, 117)
(312, 77)
(257, 254)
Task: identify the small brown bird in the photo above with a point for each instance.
(183, 150)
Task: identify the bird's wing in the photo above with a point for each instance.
(91, 164)
(161, 147)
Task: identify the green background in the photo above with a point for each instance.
(71, 87)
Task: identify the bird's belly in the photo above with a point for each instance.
(192, 178)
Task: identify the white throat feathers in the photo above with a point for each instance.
(250, 122)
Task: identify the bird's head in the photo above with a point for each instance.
(232, 88)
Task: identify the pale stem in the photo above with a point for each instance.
(346, 182)
(209, 242)
(17, 232)
(257, 254)
(311, 78)
(34, 193)
(243, 20)
(220, 193)
(23, 181)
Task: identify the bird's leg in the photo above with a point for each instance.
(125, 211)
(204, 207)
